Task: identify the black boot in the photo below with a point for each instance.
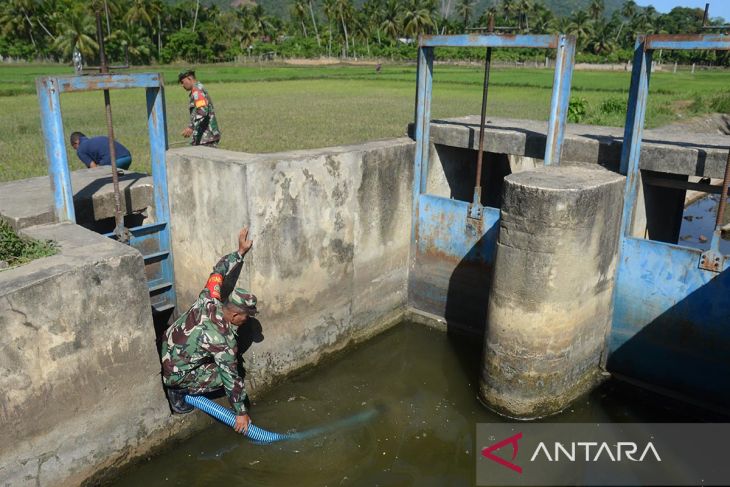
(177, 401)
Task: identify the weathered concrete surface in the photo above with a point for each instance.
(80, 390)
(331, 230)
(550, 304)
(669, 150)
(29, 202)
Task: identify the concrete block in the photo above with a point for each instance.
(666, 150)
(28, 202)
(550, 304)
(80, 390)
(331, 230)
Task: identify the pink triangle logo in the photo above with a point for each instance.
(512, 440)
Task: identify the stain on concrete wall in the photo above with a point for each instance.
(331, 230)
(79, 370)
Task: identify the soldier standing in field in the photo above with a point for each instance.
(199, 349)
(203, 127)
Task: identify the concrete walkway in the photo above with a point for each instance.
(668, 150)
(28, 202)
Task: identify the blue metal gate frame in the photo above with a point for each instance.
(444, 233)
(671, 324)
(153, 240)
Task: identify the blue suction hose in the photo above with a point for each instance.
(259, 435)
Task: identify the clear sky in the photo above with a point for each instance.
(718, 8)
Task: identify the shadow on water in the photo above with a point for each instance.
(467, 294)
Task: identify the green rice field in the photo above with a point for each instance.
(272, 108)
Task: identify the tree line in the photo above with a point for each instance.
(155, 31)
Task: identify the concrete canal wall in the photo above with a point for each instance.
(80, 389)
(331, 230)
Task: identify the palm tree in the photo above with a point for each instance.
(344, 12)
(139, 13)
(509, 8)
(15, 19)
(330, 11)
(596, 9)
(525, 8)
(134, 38)
(581, 26)
(629, 9)
(263, 23)
(299, 11)
(415, 18)
(391, 20)
(601, 41)
(464, 9)
(76, 31)
(544, 20)
(314, 22)
(247, 30)
(373, 10)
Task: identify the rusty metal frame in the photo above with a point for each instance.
(153, 240)
(452, 231)
(671, 323)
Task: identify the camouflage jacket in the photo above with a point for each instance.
(202, 117)
(201, 336)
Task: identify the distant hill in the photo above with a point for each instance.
(560, 8)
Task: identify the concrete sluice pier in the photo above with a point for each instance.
(551, 299)
(333, 264)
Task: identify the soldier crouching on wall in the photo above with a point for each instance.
(199, 349)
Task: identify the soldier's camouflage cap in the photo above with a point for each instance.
(185, 73)
(244, 299)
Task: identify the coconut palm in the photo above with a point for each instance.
(416, 19)
(330, 11)
(602, 41)
(15, 19)
(464, 9)
(391, 19)
(372, 10)
(299, 12)
(344, 11)
(629, 9)
(76, 31)
(139, 12)
(543, 20)
(596, 9)
(314, 22)
(581, 26)
(135, 39)
(509, 9)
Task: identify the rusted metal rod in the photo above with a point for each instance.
(485, 94)
(723, 196)
(119, 230)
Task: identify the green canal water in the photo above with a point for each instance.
(423, 382)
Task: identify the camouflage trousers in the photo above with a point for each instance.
(200, 380)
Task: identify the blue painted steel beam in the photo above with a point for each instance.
(69, 84)
(565, 60)
(633, 132)
(52, 125)
(424, 83)
(491, 40)
(686, 42)
(156, 121)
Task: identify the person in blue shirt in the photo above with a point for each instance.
(94, 151)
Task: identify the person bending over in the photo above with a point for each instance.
(199, 350)
(94, 151)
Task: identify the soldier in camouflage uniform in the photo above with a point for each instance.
(203, 128)
(199, 349)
